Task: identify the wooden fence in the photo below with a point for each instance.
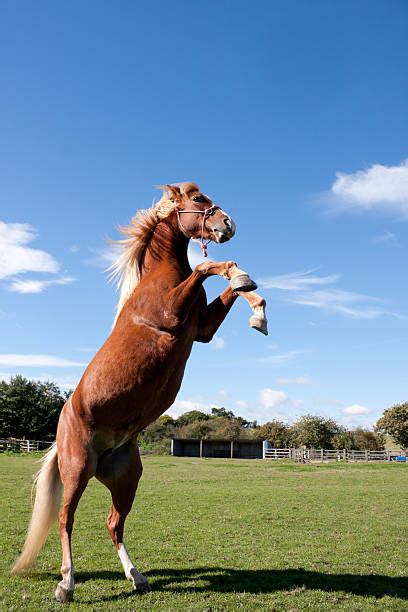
(308, 455)
(23, 446)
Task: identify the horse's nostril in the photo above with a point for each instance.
(227, 223)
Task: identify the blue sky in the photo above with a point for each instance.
(292, 115)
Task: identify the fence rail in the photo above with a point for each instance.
(323, 455)
(25, 446)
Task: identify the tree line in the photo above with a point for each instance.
(30, 409)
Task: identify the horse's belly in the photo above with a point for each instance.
(129, 384)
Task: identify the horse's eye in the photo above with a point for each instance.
(200, 199)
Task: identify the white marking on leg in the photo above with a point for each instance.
(125, 559)
(258, 320)
(65, 589)
(139, 581)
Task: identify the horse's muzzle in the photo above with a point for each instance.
(224, 229)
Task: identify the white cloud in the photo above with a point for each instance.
(355, 409)
(297, 380)
(386, 237)
(37, 286)
(74, 248)
(181, 406)
(300, 288)
(65, 382)
(281, 358)
(36, 361)
(297, 281)
(195, 255)
(16, 257)
(270, 398)
(102, 258)
(217, 343)
(350, 304)
(383, 188)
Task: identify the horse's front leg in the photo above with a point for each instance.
(216, 312)
(183, 298)
(258, 320)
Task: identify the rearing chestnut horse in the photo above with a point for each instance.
(137, 373)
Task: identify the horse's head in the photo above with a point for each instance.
(197, 215)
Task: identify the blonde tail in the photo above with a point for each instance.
(47, 501)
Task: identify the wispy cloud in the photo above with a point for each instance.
(387, 237)
(300, 288)
(296, 380)
(347, 303)
(37, 286)
(297, 281)
(37, 361)
(281, 357)
(382, 188)
(217, 343)
(101, 257)
(16, 257)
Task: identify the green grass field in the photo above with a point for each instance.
(225, 535)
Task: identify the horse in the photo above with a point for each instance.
(136, 374)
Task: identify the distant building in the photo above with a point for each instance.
(233, 449)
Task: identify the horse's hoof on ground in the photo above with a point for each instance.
(140, 583)
(143, 588)
(259, 323)
(242, 282)
(63, 595)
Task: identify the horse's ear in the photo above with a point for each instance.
(172, 191)
(187, 188)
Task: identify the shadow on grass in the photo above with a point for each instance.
(228, 580)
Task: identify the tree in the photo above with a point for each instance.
(358, 439)
(394, 422)
(222, 412)
(195, 430)
(29, 409)
(191, 417)
(276, 432)
(314, 432)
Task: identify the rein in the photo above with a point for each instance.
(206, 213)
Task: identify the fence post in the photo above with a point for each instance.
(232, 449)
(321, 455)
(366, 456)
(201, 448)
(264, 443)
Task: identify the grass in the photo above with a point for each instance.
(225, 535)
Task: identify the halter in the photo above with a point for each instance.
(206, 213)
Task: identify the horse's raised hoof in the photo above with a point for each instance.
(259, 323)
(242, 282)
(63, 595)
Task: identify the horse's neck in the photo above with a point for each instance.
(167, 246)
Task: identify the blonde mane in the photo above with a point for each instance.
(126, 270)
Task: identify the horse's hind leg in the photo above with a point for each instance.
(120, 471)
(76, 468)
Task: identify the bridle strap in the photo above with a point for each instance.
(207, 212)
